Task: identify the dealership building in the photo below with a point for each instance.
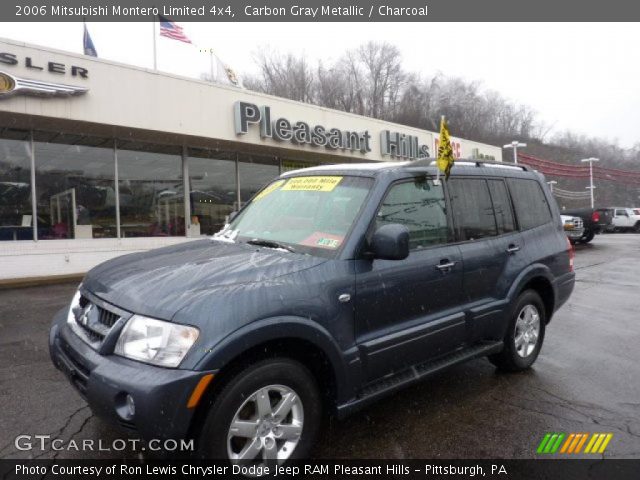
(100, 159)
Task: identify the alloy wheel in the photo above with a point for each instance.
(267, 426)
(527, 330)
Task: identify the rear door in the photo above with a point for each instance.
(408, 311)
(491, 250)
(621, 218)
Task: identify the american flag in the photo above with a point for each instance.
(172, 30)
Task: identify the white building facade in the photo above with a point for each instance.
(99, 159)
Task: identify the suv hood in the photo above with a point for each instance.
(160, 282)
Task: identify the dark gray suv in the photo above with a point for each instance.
(332, 287)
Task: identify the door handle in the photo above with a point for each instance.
(445, 265)
(513, 248)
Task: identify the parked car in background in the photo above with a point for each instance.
(573, 227)
(594, 221)
(625, 220)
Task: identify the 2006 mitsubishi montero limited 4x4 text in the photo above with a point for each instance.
(333, 286)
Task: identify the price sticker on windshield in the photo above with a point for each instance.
(313, 184)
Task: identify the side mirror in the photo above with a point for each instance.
(390, 242)
(232, 215)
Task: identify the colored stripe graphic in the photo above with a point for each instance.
(550, 443)
(581, 442)
(567, 443)
(572, 443)
(604, 445)
(543, 443)
(556, 445)
(598, 442)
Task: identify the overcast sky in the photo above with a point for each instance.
(581, 77)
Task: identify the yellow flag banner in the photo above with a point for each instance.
(445, 151)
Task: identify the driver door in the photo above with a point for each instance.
(408, 311)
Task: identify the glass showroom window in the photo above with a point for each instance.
(213, 189)
(287, 165)
(16, 218)
(75, 188)
(151, 191)
(255, 172)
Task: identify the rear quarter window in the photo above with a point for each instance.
(530, 203)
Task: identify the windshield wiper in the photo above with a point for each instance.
(270, 244)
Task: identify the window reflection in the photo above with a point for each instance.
(76, 195)
(255, 172)
(213, 192)
(15, 190)
(287, 165)
(151, 193)
(75, 191)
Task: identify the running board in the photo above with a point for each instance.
(397, 381)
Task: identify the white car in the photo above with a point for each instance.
(625, 219)
(573, 227)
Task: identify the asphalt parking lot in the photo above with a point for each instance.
(587, 379)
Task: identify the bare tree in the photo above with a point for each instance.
(288, 76)
(369, 80)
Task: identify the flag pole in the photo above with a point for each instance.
(155, 54)
(437, 152)
(211, 64)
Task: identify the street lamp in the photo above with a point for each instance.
(515, 144)
(551, 183)
(590, 187)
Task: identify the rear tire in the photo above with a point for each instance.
(525, 334)
(276, 409)
(587, 237)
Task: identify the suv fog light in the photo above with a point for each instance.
(131, 405)
(125, 406)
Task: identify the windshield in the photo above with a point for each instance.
(310, 214)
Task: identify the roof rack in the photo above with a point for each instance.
(428, 162)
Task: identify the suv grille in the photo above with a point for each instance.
(93, 322)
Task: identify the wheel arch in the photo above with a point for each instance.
(296, 338)
(539, 279)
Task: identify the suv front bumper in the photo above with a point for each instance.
(160, 394)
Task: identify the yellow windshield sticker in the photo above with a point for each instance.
(270, 189)
(316, 183)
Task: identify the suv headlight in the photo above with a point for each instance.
(75, 303)
(155, 341)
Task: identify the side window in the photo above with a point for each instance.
(420, 206)
(620, 213)
(532, 209)
(472, 208)
(502, 206)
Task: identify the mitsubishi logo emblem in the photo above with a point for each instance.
(84, 316)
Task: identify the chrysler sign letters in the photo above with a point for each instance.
(11, 84)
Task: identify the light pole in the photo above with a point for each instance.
(551, 184)
(590, 187)
(515, 144)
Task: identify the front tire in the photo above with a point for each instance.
(524, 336)
(269, 412)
